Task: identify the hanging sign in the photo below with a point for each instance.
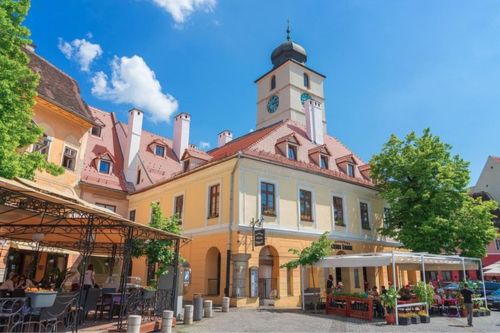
(341, 245)
(260, 237)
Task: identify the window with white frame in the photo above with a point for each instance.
(292, 152)
(350, 170)
(43, 145)
(365, 216)
(69, 158)
(305, 198)
(160, 150)
(338, 211)
(108, 207)
(105, 165)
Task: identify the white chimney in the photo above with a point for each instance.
(314, 121)
(135, 117)
(181, 133)
(224, 137)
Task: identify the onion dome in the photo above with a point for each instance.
(288, 50)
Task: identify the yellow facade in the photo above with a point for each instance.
(239, 180)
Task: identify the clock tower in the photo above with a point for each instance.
(282, 91)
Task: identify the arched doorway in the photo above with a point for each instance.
(268, 273)
(212, 272)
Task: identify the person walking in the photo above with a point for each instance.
(467, 295)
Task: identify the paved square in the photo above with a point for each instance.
(251, 320)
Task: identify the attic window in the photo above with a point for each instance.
(96, 131)
(292, 152)
(323, 162)
(138, 180)
(105, 164)
(160, 150)
(186, 166)
(350, 170)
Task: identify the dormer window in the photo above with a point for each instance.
(350, 170)
(273, 82)
(105, 165)
(306, 80)
(292, 152)
(96, 131)
(186, 166)
(160, 150)
(323, 162)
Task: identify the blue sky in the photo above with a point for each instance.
(391, 66)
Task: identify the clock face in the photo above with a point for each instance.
(304, 97)
(272, 104)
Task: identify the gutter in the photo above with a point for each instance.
(230, 234)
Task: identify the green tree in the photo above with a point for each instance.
(426, 188)
(18, 85)
(310, 255)
(160, 253)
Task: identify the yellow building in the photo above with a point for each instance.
(66, 121)
(289, 174)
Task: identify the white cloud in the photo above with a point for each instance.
(80, 50)
(182, 9)
(204, 145)
(133, 82)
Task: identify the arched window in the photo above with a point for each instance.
(273, 82)
(306, 80)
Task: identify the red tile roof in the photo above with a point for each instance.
(58, 88)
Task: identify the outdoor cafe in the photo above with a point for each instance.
(50, 219)
(389, 268)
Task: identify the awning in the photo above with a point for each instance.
(404, 260)
(29, 212)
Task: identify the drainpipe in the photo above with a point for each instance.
(230, 234)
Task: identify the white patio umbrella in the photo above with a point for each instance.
(493, 271)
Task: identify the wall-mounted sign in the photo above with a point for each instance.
(260, 237)
(341, 245)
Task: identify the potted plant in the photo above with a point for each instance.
(148, 292)
(415, 318)
(424, 317)
(425, 293)
(404, 319)
(41, 298)
(482, 312)
(389, 300)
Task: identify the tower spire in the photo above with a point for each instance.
(288, 36)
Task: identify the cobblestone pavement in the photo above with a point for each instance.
(251, 320)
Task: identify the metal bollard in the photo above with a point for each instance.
(207, 308)
(188, 314)
(225, 304)
(198, 307)
(134, 324)
(166, 323)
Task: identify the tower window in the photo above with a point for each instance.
(306, 80)
(273, 82)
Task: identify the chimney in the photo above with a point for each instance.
(224, 137)
(181, 133)
(135, 117)
(314, 121)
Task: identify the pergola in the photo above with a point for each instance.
(420, 261)
(30, 213)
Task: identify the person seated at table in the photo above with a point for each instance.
(379, 309)
(9, 284)
(405, 293)
(24, 283)
(383, 290)
(339, 286)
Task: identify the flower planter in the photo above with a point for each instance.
(482, 313)
(487, 312)
(404, 320)
(42, 299)
(415, 320)
(425, 319)
(476, 314)
(390, 319)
